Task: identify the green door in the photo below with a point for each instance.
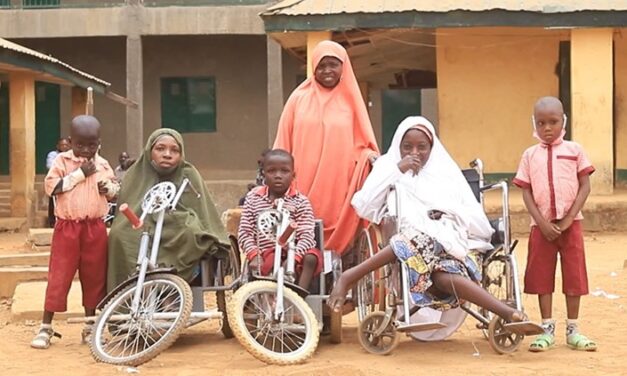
(397, 104)
(47, 122)
(4, 128)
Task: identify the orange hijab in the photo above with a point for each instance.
(328, 132)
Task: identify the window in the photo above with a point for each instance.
(188, 104)
(40, 3)
(5, 3)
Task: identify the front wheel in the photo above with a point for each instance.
(123, 336)
(289, 339)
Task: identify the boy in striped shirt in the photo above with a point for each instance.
(278, 170)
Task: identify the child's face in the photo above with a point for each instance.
(549, 122)
(416, 142)
(63, 145)
(166, 152)
(279, 173)
(85, 144)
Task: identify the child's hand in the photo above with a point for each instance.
(88, 167)
(102, 188)
(410, 162)
(253, 265)
(564, 223)
(551, 231)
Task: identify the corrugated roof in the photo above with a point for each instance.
(327, 7)
(8, 45)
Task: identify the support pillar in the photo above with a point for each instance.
(22, 145)
(592, 84)
(275, 87)
(79, 101)
(313, 38)
(134, 92)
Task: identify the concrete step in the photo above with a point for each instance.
(12, 224)
(28, 302)
(25, 259)
(11, 276)
(40, 236)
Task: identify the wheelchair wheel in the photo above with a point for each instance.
(122, 337)
(230, 271)
(366, 285)
(495, 281)
(501, 340)
(382, 344)
(283, 342)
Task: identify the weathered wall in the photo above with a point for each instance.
(620, 104)
(488, 81)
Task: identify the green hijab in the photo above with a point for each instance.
(189, 232)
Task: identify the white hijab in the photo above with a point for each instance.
(439, 185)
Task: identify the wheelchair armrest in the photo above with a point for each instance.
(498, 185)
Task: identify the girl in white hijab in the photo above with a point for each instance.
(440, 223)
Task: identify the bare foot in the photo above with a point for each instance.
(338, 296)
(518, 316)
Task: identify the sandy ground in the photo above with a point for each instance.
(202, 350)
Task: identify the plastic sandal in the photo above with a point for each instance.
(542, 343)
(42, 339)
(580, 342)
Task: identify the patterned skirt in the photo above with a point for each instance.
(423, 255)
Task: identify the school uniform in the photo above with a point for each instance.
(552, 173)
(79, 240)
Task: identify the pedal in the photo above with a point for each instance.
(420, 327)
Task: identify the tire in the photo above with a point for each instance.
(500, 339)
(380, 345)
(495, 281)
(230, 273)
(243, 319)
(365, 288)
(162, 294)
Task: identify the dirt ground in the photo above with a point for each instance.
(203, 350)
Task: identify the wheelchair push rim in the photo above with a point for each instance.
(123, 337)
(292, 340)
(365, 289)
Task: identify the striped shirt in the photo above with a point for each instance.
(257, 200)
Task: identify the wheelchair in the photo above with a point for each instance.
(146, 313)
(274, 319)
(385, 306)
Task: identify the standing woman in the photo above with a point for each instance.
(325, 125)
(189, 232)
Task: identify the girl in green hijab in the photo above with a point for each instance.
(189, 232)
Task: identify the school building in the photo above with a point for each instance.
(220, 71)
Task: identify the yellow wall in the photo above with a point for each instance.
(592, 102)
(488, 81)
(620, 98)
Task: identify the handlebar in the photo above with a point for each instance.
(285, 236)
(131, 216)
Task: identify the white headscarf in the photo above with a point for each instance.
(439, 185)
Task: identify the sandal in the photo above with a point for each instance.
(542, 343)
(42, 339)
(580, 342)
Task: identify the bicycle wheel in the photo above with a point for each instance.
(366, 285)
(122, 336)
(289, 340)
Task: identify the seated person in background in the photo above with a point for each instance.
(278, 170)
(443, 228)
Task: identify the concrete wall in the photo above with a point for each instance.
(238, 64)
(620, 104)
(488, 81)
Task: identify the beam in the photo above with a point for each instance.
(313, 38)
(275, 87)
(79, 101)
(22, 145)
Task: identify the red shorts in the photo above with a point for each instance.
(268, 261)
(542, 261)
(82, 246)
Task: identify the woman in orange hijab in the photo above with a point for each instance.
(325, 125)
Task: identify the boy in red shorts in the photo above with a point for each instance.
(278, 171)
(555, 178)
(81, 181)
